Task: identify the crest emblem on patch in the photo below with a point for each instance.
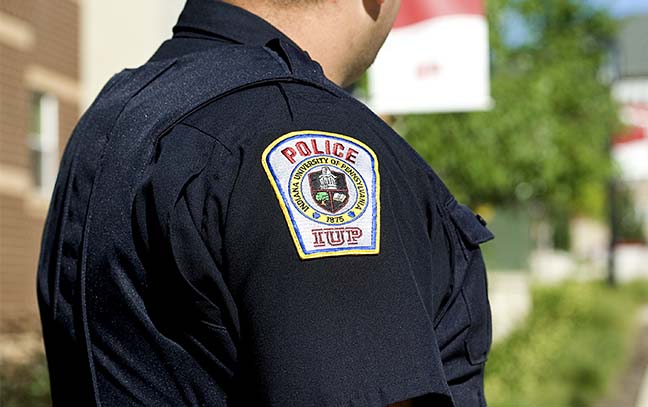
(328, 187)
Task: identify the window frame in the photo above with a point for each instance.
(43, 141)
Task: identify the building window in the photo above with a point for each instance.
(43, 141)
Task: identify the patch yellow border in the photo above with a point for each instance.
(286, 213)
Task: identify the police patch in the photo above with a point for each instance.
(328, 187)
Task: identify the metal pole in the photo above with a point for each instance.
(614, 230)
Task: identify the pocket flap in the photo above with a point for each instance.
(471, 227)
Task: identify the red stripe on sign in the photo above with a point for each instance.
(630, 135)
(414, 11)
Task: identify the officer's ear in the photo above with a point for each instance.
(372, 7)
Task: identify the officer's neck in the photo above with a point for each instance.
(325, 30)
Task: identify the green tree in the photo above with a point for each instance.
(546, 138)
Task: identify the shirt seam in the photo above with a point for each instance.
(191, 126)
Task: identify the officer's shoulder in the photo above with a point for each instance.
(258, 114)
(336, 111)
(252, 118)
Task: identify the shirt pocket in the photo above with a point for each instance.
(470, 278)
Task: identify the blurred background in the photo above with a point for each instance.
(534, 112)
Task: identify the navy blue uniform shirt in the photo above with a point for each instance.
(276, 244)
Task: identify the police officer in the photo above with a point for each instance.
(230, 227)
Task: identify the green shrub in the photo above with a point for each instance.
(575, 341)
(25, 385)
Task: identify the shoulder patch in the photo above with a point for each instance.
(328, 187)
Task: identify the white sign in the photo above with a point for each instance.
(434, 60)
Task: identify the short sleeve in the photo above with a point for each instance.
(345, 329)
(315, 259)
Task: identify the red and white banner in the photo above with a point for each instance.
(434, 60)
(630, 148)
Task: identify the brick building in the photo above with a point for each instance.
(39, 105)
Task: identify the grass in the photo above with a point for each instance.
(571, 348)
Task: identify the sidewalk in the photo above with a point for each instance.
(632, 388)
(642, 401)
(642, 398)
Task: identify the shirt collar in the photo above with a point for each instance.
(215, 18)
